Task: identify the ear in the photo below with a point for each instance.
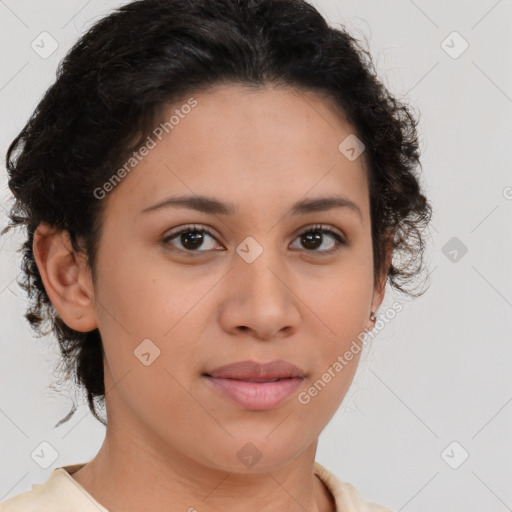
(380, 284)
(66, 277)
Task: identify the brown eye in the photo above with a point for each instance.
(195, 239)
(316, 237)
(191, 239)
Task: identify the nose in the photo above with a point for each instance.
(259, 299)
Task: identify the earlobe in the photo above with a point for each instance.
(377, 298)
(66, 277)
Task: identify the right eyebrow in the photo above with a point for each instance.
(213, 206)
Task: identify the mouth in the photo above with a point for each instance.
(256, 394)
(256, 386)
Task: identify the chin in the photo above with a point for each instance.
(256, 453)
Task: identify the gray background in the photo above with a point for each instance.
(440, 371)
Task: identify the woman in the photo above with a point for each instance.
(213, 193)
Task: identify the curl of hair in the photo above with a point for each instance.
(112, 89)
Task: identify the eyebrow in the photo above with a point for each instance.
(213, 206)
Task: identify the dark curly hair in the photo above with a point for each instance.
(112, 88)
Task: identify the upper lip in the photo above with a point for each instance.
(242, 370)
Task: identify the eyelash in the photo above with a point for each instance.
(340, 242)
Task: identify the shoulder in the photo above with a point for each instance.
(346, 496)
(35, 500)
(38, 499)
(60, 493)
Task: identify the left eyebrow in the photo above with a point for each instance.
(213, 206)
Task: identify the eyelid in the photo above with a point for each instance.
(186, 228)
(321, 227)
(338, 235)
(339, 238)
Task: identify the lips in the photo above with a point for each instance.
(256, 386)
(252, 371)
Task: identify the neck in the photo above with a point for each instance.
(129, 476)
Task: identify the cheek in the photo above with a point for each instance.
(319, 400)
(146, 297)
(340, 312)
(152, 312)
(341, 300)
(341, 356)
(147, 322)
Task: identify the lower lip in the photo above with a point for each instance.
(257, 396)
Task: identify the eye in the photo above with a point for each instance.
(191, 238)
(315, 237)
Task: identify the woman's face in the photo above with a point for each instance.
(171, 309)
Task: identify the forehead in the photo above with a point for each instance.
(247, 145)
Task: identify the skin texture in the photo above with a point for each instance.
(171, 440)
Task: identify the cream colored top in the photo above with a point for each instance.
(61, 493)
